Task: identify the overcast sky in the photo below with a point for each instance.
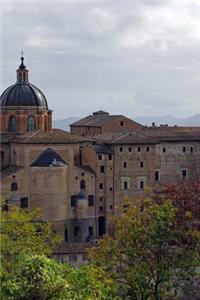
(129, 57)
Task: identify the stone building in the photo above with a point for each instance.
(80, 179)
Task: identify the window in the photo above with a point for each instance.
(90, 200)
(130, 149)
(66, 235)
(2, 158)
(14, 186)
(100, 208)
(76, 231)
(90, 230)
(73, 200)
(184, 174)
(82, 174)
(141, 164)
(111, 189)
(141, 185)
(99, 157)
(12, 124)
(184, 149)
(121, 149)
(31, 126)
(164, 150)
(191, 149)
(157, 176)
(101, 186)
(111, 207)
(73, 257)
(24, 202)
(101, 198)
(125, 165)
(82, 184)
(101, 169)
(125, 185)
(121, 123)
(110, 157)
(147, 149)
(138, 149)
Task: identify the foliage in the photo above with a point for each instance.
(41, 278)
(22, 232)
(146, 253)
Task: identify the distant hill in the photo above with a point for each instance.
(145, 120)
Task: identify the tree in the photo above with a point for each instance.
(22, 232)
(41, 278)
(146, 253)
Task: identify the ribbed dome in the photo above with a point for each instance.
(23, 94)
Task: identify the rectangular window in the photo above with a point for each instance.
(141, 164)
(141, 185)
(125, 165)
(73, 201)
(184, 149)
(121, 123)
(129, 149)
(157, 176)
(24, 202)
(184, 174)
(99, 157)
(164, 150)
(101, 186)
(125, 185)
(90, 200)
(147, 149)
(90, 230)
(121, 149)
(110, 157)
(138, 149)
(101, 169)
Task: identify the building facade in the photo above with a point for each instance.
(79, 179)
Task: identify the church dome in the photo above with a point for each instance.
(23, 93)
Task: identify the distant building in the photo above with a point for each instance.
(79, 179)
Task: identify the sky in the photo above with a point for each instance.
(137, 58)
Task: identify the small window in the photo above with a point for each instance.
(184, 174)
(73, 257)
(184, 149)
(90, 230)
(82, 174)
(139, 149)
(110, 157)
(73, 201)
(82, 185)
(101, 199)
(141, 185)
(191, 149)
(147, 149)
(111, 206)
(141, 164)
(14, 186)
(129, 149)
(66, 235)
(85, 257)
(121, 149)
(24, 202)
(101, 186)
(125, 185)
(125, 165)
(99, 157)
(111, 189)
(164, 150)
(101, 169)
(121, 123)
(76, 231)
(90, 200)
(100, 208)
(157, 176)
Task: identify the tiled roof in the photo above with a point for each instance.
(87, 169)
(48, 158)
(9, 170)
(55, 136)
(97, 119)
(102, 148)
(150, 135)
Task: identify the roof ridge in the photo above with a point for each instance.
(34, 133)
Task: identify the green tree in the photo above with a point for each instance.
(147, 254)
(42, 278)
(22, 232)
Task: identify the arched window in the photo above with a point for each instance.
(14, 186)
(12, 124)
(82, 185)
(31, 124)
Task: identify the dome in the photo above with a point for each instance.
(23, 94)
